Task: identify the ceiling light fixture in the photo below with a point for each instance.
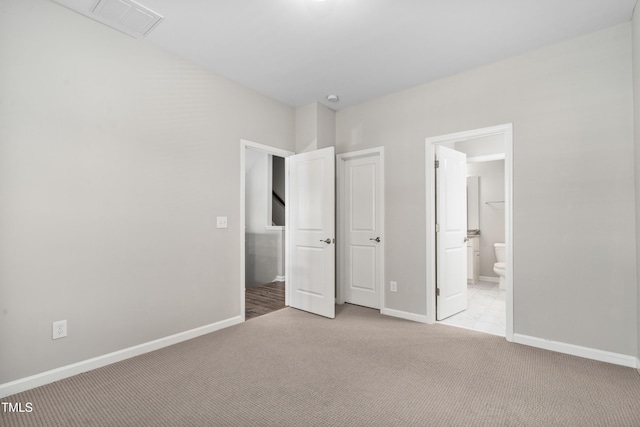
(332, 97)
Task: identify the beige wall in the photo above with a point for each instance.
(306, 128)
(115, 159)
(315, 127)
(636, 128)
(574, 221)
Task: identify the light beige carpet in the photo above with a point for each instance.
(290, 368)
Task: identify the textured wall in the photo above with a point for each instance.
(574, 220)
(636, 128)
(115, 159)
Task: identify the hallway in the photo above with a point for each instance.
(263, 299)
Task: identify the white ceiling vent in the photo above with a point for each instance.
(129, 15)
(123, 15)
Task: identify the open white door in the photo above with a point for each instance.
(451, 232)
(311, 277)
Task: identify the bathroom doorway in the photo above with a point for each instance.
(487, 150)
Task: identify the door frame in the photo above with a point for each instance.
(244, 145)
(506, 130)
(341, 220)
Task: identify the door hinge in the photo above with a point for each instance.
(437, 228)
(437, 292)
(437, 164)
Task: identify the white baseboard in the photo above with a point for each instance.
(279, 279)
(404, 315)
(489, 279)
(576, 350)
(57, 374)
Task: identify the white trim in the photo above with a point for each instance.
(421, 318)
(285, 238)
(269, 212)
(279, 279)
(275, 227)
(576, 350)
(244, 145)
(340, 203)
(487, 158)
(506, 130)
(489, 279)
(508, 235)
(63, 372)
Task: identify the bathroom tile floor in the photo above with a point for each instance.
(486, 310)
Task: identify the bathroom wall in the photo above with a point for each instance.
(492, 225)
(491, 188)
(264, 247)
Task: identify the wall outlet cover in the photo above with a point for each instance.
(59, 329)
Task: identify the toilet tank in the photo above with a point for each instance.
(499, 248)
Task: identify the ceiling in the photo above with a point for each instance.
(300, 51)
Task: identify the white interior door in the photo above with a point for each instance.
(311, 277)
(451, 232)
(363, 247)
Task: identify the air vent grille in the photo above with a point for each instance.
(127, 16)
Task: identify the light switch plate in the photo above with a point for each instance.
(222, 222)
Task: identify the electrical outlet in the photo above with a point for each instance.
(393, 286)
(59, 329)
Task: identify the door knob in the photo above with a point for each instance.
(466, 239)
(377, 239)
(327, 241)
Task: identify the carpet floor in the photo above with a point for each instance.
(291, 368)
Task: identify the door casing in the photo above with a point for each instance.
(506, 130)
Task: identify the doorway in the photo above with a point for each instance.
(263, 231)
(309, 233)
(486, 298)
(504, 133)
(360, 203)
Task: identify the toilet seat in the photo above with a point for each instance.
(500, 265)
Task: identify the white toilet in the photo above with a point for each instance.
(500, 267)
